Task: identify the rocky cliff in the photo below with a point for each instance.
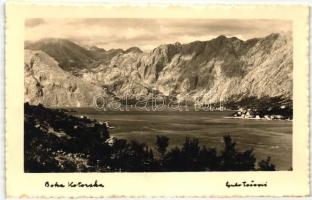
(48, 84)
(219, 69)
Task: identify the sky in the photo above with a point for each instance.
(109, 33)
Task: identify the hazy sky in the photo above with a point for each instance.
(147, 33)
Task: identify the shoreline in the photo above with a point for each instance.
(253, 118)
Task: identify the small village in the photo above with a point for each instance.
(255, 114)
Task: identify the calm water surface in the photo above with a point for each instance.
(267, 138)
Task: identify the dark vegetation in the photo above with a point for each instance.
(57, 142)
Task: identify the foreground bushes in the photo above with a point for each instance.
(56, 142)
(136, 156)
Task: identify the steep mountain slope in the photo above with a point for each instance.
(220, 69)
(48, 84)
(228, 67)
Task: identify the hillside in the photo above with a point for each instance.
(55, 141)
(69, 55)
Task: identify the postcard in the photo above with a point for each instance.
(156, 101)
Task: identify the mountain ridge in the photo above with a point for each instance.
(219, 69)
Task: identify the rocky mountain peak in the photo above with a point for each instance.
(133, 50)
(95, 48)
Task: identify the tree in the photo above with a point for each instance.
(162, 143)
(208, 159)
(190, 152)
(232, 160)
(173, 160)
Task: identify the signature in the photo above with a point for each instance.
(246, 184)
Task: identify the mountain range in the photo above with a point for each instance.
(59, 72)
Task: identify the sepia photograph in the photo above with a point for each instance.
(129, 101)
(157, 95)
